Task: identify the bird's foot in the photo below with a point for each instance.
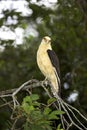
(45, 81)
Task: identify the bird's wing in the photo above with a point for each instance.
(55, 62)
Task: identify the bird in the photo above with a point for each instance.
(48, 64)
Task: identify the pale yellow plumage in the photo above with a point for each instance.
(45, 64)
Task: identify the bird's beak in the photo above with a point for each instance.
(50, 41)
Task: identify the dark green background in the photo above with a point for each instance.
(66, 24)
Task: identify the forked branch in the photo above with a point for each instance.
(59, 104)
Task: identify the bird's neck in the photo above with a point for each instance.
(45, 46)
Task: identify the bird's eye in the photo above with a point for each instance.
(45, 39)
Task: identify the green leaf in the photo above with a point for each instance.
(58, 112)
(59, 127)
(26, 127)
(51, 100)
(34, 97)
(27, 99)
(27, 108)
(54, 114)
(31, 108)
(36, 104)
(47, 110)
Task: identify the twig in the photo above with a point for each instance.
(7, 103)
(27, 85)
(64, 105)
(13, 126)
(60, 103)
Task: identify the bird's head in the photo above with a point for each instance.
(46, 40)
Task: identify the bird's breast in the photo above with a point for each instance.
(46, 67)
(44, 62)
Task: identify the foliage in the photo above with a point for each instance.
(58, 128)
(66, 23)
(37, 115)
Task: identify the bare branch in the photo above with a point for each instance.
(60, 104)
(27, 85)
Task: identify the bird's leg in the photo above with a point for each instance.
(46, 81)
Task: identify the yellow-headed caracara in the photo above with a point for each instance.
(48, 64)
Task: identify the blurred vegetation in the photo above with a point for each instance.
(66, 23)
(36, 115)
